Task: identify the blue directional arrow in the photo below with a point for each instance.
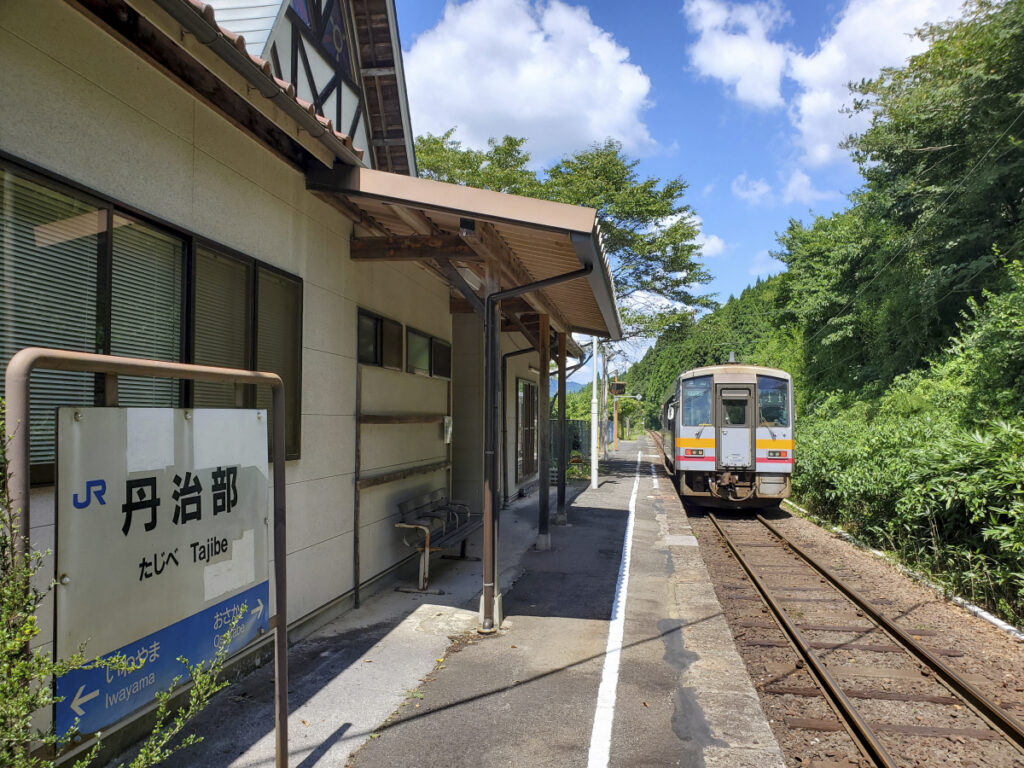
(96, 698)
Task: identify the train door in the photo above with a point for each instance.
(733, 406)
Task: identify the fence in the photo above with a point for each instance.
(577, 443)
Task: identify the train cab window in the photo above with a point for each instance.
(734, 412)
(697, 402)
(773, 401)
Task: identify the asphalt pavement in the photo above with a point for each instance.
(406, 680)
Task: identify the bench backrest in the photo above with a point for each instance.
(423, 504)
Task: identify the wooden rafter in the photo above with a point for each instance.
(486, 242)
(411, 248)
(418, 221)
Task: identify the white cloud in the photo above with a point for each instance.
(869, 35)
(529, 68)
(765, 264)
(800, 189)
(646, 301)
(708, 189)
(753, 191)
(733, 47)
(584, 375)
(710, 245)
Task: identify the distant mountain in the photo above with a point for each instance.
(570, 386)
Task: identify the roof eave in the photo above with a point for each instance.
(197, 18)
(589, 250)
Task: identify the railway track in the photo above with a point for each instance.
(792, 584)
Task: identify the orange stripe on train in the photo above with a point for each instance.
(695, 442)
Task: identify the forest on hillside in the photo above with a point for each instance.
(901, 319)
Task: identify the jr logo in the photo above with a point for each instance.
(92, 487)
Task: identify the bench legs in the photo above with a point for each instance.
(462, 553)
(425, 563)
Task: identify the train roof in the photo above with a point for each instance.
(740, 368)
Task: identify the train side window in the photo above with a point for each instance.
(773, 401)
(697, 402)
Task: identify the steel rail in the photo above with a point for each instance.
(856, 725)
(998, 718)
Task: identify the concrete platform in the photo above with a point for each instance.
(385, 685)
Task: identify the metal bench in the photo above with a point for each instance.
(434, 522)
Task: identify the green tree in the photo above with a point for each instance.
(503, 167)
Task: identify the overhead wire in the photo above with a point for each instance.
(930, 215)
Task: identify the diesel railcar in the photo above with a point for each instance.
(727, 435)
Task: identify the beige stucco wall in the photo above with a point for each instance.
(81, 105)
(468, 409)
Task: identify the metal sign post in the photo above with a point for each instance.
(17, 380)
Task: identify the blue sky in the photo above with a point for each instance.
(741, 99)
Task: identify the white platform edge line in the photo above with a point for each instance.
(601, 734)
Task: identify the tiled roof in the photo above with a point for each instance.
(208, 13)
(252, 18)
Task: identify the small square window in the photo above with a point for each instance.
(441, 358)
(391, 344)
(417, 352)
(369, 339)
(379, 341)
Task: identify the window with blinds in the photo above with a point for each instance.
(145, 308)
(279, 346)
(222, 331)
(77, 273)
(46, 234)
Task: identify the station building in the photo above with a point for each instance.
(235, 184)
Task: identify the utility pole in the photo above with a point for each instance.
(604, 406)
(615, 423)
(593, 423)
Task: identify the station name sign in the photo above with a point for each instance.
(161, 543)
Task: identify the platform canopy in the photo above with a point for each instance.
(456, 231)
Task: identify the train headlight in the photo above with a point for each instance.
(778, 454)
(694, 452)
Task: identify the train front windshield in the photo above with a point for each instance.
(697, 402)
(773, 401)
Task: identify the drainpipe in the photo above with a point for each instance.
(594, 426)
(492, 330)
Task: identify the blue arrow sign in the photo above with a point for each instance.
(98, 697)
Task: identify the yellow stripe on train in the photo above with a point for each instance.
(774, 444)
(695, 442)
